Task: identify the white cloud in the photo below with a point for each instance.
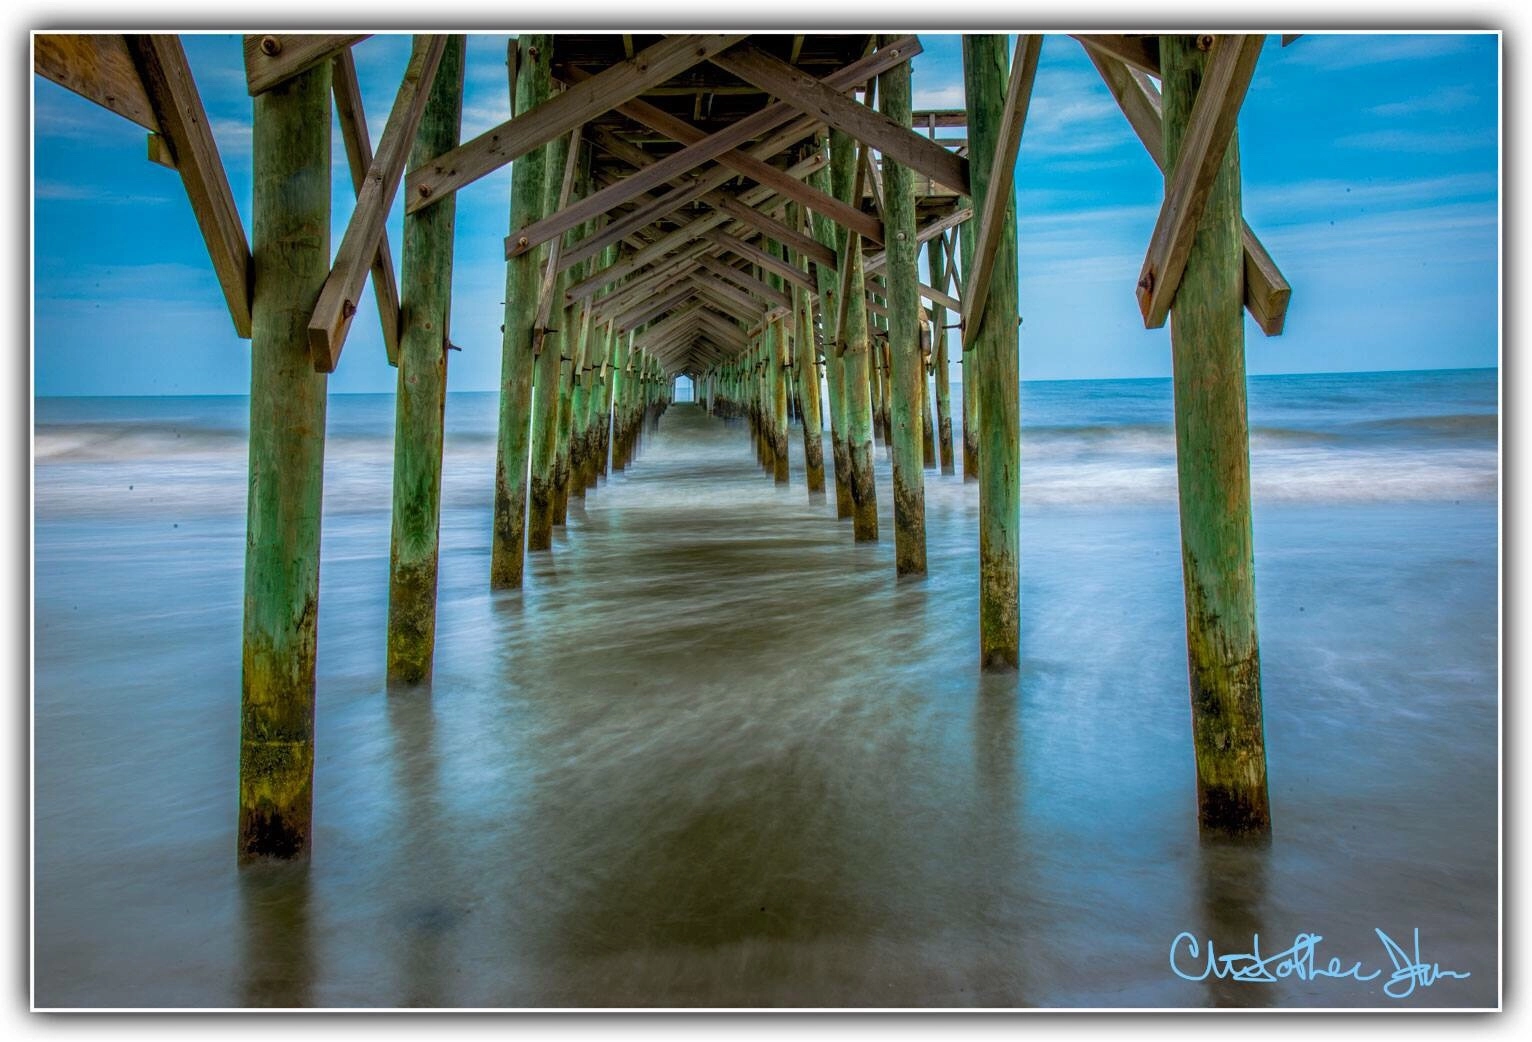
(1416, 141)
(1333, 51)
(1438, 102)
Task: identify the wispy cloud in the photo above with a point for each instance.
(1437, 103)
(63, 191)
(940, 96)
(1333, 51)
(1416, 141)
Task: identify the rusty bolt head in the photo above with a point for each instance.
(521, 241)
(271, 46)
(1205, 42)
(532, 51)
(424, 191)
(347, 309)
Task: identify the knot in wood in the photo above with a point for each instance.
(271, 46)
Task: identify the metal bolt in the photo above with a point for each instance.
(1205, 43)
(521, 241)
(424, 191)
(271, 46)
(1147, 282)
(347, 309)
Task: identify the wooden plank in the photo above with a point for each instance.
(751, 252)
(172, 93)
(940, 118)
(336, 305)
(776, 230)
(867, 125)
(1267, 292)
(98, 67)
(1139, 52)
(353, 131)
(1230, 66)
(932, 229)
(1000, 190)
(580, 104)
(746, 281)
(697, 225)
(545, 289)
(271, 58)
(159, 150)
(658, 305)
(694, 155)
(747, 163)
(726, 291)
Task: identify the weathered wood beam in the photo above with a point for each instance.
(1267, 292)
(867, 125)
(551, 265)
(709, 148)
(661, 276)
(1139, 52)
(726, 291)
(747, 163)
(172, 94)
(353, 131)
(777, 231)
(271, 58)
(751, 252)
(1002, 183)
(99, 68)
(746, 281)
(1230, 66)
(336, 305)
(657, 305)
(579, 104)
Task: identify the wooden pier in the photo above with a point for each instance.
(744, 210)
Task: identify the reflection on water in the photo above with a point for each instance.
(713, 754)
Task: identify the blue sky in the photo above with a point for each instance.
(1370, 171)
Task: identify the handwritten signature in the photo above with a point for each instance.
(1301, 959)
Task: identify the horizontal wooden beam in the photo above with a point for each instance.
(581, 103)
(353, 131)
(1139, 52)
(1215, 112)
(172, 93)
(694, 155)
(271, 58)
(863, 123)
(747, 281)
(98, 67)
(336, 305)
(745, 162)
(751, 252)
(1267, 292)
(1000, 190)
(873, 262)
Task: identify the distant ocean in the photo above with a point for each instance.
(713, 754)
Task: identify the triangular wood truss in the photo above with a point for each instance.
(684, 207)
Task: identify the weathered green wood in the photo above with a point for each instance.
(936, 257)
(780, 370)
(421, 400)
(830, 234)
(970, 396)
(579, 399)
(927, 426)
(572, 347)
(906, 375)
(996, 371)
(856, 357)
(806, 368)
(620, 395)
(545, 387)
(529, 187)
(1207, 336)
(291, 259)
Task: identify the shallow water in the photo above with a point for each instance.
(714, 754)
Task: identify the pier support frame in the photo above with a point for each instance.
(991, 340)
(529, 186)
(546, 382)
(291, 255)
(1207, 335)
(421, 400)
(906, 370)
(831, 235)
(856, 354)
(941, 378)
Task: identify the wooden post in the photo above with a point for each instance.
(970, 395)
(830, 234)
(545, 387)
(806, 367)
(780, 368)
(1207, 336)
(995, 372)
(619, 390)
(856, 355)
(937, 259)
(906, 370)
(529, 187)
(291, 255)
(421, 400)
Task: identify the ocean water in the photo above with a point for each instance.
(714, 754)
